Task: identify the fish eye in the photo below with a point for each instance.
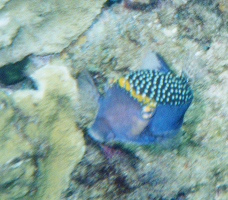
(147, 112)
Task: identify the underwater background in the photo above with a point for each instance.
(47, 107)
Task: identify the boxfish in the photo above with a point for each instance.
(143, 106)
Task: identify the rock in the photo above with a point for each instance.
(42, 27)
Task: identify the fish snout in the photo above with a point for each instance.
(101, 130)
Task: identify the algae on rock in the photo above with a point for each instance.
(2, 3)
(42, 27)
(46, 120)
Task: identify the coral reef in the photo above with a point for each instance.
(38, 129)
(42, 27)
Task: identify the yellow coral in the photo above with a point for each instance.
(49, 117)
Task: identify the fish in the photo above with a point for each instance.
(144, 106)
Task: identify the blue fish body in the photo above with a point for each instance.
(144, 106)
(119, 117)
(164, 124)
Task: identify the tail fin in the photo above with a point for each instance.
(88, 99)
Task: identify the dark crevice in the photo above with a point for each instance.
(109, 3)
(13, 73)
(137, 5)
(13, 76)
